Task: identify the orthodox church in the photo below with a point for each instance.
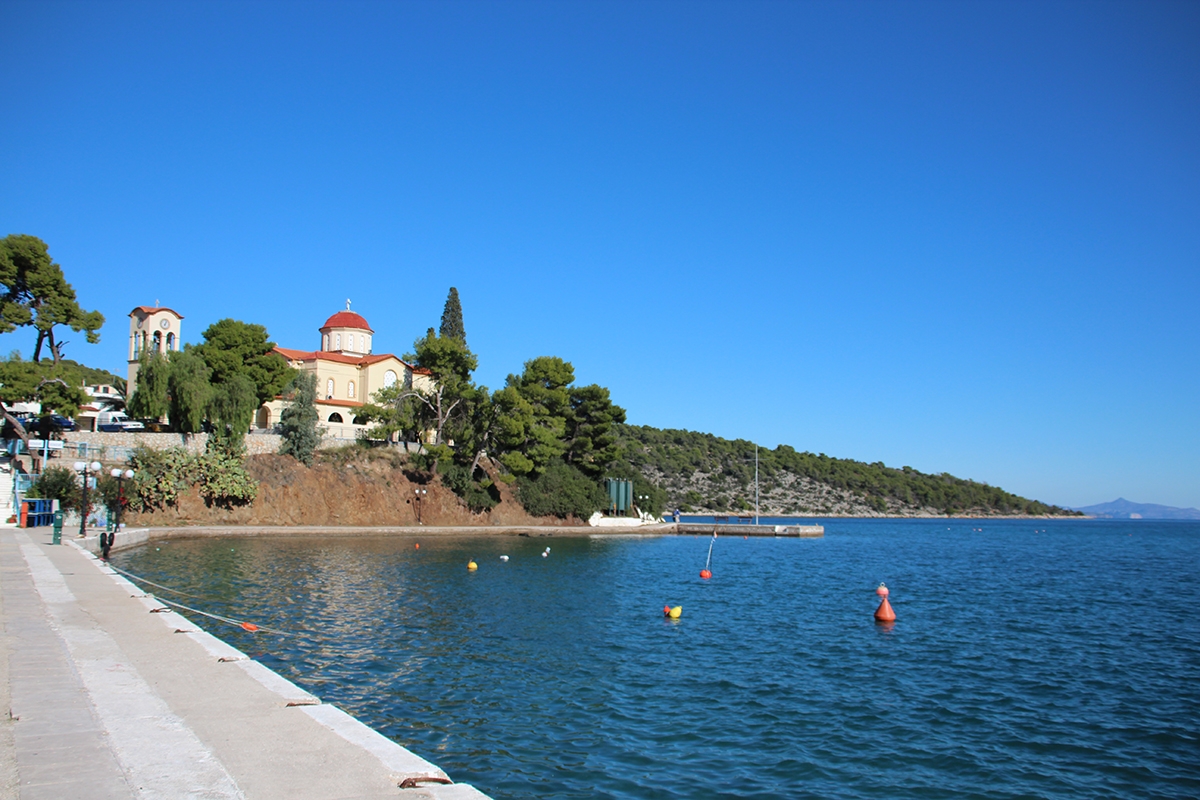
(348, 373)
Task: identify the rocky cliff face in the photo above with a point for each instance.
(358, 492)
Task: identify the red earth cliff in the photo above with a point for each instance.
(361, 492)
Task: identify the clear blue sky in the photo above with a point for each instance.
(959, 236)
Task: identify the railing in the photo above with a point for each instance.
(73, 450)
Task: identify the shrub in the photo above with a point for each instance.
(561, 491)
(55, 483)
(479, 496)
(160, 477)
(224, 480)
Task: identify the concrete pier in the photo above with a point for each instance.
(739, 529)
(103, 698)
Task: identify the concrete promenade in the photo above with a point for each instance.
(109, 700)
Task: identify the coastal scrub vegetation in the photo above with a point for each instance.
(675, 457)
(162, 476)
(561, 491)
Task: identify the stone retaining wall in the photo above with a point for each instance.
(256, 443)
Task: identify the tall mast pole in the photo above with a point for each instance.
(756, 484)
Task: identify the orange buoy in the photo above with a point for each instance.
(884, 613)
(250, 626)
(418, 546)
(666, 611)
(706, 574)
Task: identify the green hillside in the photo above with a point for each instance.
(707, 474)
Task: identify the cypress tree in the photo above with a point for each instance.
(452, 319)
(299, 419)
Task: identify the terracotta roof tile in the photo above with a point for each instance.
(339, 403)
(347, 319)
(152, 309)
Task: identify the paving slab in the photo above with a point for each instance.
(104, 699)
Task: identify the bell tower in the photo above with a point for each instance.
(151, 328)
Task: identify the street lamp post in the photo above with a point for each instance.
(106, 543)
(83, 467)
(419, 496)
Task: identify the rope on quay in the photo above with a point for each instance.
(247, 626)
(151, 583)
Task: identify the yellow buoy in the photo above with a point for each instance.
(471, 565)
(676, 612)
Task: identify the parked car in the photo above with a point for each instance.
(117, 422)
(47, 423)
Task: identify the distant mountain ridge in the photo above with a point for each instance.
(1123, 509)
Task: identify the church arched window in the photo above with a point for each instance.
(389, 378)
(325, 341)
(171, 342)
(334, 417)
(157, 342)
(329, 388)
(350, 390)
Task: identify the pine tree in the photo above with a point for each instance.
(452, 319)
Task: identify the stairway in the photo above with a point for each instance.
(6, 492)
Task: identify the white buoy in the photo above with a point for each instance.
(504, 558)
(545, 553)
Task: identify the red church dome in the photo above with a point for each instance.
(347, 319)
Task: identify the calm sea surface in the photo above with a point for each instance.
(1029, 658)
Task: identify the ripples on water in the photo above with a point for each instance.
(1029, 659)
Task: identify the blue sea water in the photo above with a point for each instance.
(1030, 658)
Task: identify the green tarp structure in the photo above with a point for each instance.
(620, 495)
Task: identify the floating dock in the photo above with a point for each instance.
(750, 529)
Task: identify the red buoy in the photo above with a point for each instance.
(884, 613)
(705, 574)
(666, 611)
